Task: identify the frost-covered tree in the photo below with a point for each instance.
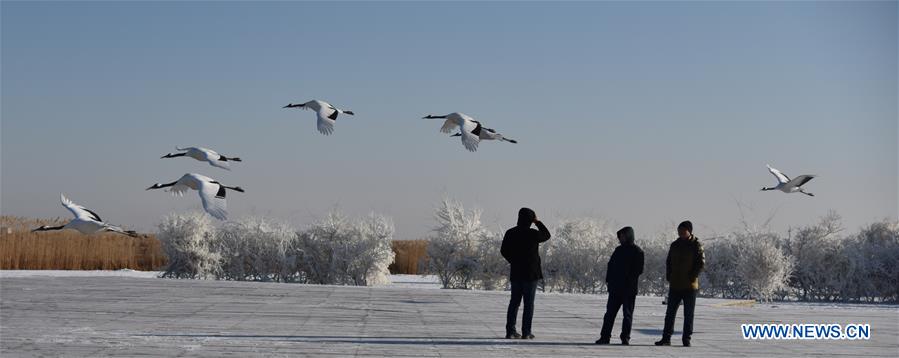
(188, 241)
(762, 267)
(371, 250)
(453, 248)
(576, 256)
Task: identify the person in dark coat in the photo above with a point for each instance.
(520, 249)
(685, 261)
(622, 277)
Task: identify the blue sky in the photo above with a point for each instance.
(642, 113)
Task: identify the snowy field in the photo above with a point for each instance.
(130, 313)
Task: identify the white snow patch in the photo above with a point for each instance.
(412, 281)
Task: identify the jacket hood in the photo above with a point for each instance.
(627, 233)
(526, 217)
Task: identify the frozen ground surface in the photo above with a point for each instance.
(122, 313)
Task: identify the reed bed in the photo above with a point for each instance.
(411, 257)
(21, 249)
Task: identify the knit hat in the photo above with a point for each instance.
(687, 225)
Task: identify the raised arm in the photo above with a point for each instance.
(544, 232)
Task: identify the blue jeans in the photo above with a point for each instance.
(526, 290)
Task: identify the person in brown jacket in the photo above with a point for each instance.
(682, 267)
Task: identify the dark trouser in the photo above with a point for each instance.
(526, 290)
(617, 300)
(674, 299)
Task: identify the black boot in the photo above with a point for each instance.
(625, 341)
(513, 334)
(602, 340)
(686, 342)
(664, 342)
(527, 336)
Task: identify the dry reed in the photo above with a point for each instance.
(411, 257)
(21, 249)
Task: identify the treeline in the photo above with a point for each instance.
(819, 262)
(816, 262)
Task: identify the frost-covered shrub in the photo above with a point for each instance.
(575, 259)
(745, 264)
(859, 267)
(324, 246)
(762, 267)
(372, 250)
(655, 251)
(814, 262)
(188, 241)
(720, 274)
(492, 271)
(257, 249)
(335, 250)
(458, 249)
(873, 256)
(338, 250)
(821, 264)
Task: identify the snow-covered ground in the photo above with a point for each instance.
(432, 282)
(125, 313)
(128, 313)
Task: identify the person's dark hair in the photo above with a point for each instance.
(686, 225)
(627, 234)
(526, 217)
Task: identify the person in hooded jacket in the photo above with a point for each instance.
(521, 249)
(622, 277)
